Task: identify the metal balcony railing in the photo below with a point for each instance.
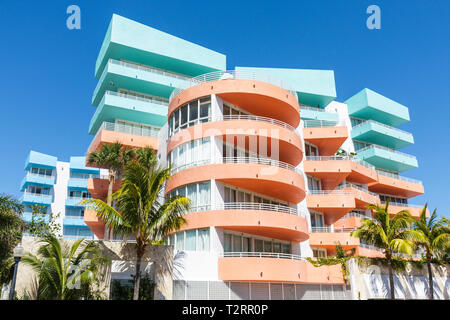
(250, 206)
(261, 255)
(356, 187)
(380, 124)
(323, 123)
(398, 177)
(233, 74)
(332, 230)
(41, 195)
(370, 146)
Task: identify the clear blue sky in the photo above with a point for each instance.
(48, 71)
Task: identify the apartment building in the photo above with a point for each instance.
(59, 187)
(277, 170)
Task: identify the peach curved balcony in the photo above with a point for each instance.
(332, 170)
(327, 139)
(368, 252)
(274, 267)
(96, 224)
(324, 238)
(98, 187)
(277, 135)
(259, 219)
(362, 196)
(415, 210)
(396, 185)
(105, 136)
(284, 183)
(256, 97)
(334, 204)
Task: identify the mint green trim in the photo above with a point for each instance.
(391, 160)
(378, 133)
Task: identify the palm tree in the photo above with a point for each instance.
(435, 239)
(391, 234)
(142, 212)
(60, 268)
(11, 228)
(113, 157)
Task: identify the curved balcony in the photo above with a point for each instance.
(332, 170)
(363, 197)
(415, 210)
(267, 220)
(251, 91)
(333, 203)
(274, 267)
(290, 146)
(390, 183)
(266, 176)
(328, 136)
(325, 237)
(110, 132)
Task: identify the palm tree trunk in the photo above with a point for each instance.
(108, 198)
(430, 276)
(140, 253)
(391, 276)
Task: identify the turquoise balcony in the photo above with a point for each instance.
(370, 105)
(28, 218)
(77, 184)
(131, 108)
(129, 40)
(74, 222)
(37, 179)
(34, 198)
(314, 87)
(74, 202)
(377, 133)
(78, 164)
(40, 160)
(386, 158)
(310, 113)
(143, 79)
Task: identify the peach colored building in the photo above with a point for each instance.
(255, 149)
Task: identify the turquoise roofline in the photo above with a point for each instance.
(130, 40)
(78, 164)
(370, 105)
(314, 87)
(40, 160)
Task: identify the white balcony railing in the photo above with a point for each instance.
(332, 230)
(370, 146)
(39, 175)
(155, 100)
(261, 255)
(398, 177)
(399, 204)
(241, 160)
(330, 192)
(340, 158)
(40, 195)
(250, 206)
(141, 67)
(323, 123)
(233, 74)
(382, 125)
(359, 188)
(354, 214)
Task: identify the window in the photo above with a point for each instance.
(199, 193)
(313, 183)
(39, 190)
(192, 153)
(190, 240)
(79, 194)
(77, 233)
(319, 253)
(190, 114)
(311, 150)
(316, 219)
(41, 171)
(230, 110)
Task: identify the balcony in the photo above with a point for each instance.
(274, 267)
(261, 129)
(370, 105)
(261, 175)
(35, 198)
(363, 197)
(351, 220)
(328, 238)
(414, 209)
(98, 187)
(109, 133)
(333, 203)
(94, 223)
(77, 184)
(256, 93)
(74, 201)
(332, 170)
(378, 133)
(390, 183)
(318, 114)
(129, 107)
(37, 179)
(386, 158)
(328, 136)
(74, 222)
(27, 217)
(132, 76)
(266, 220)
(40, 160)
